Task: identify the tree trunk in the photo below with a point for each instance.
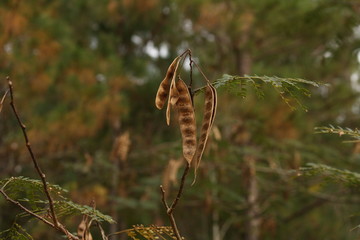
(253, 212)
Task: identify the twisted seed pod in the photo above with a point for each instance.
(173, 98)
(208, 120)
(215, 103)
(163, 90)
(186, 116)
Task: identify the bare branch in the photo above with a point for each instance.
(181, 188)
(56, 225)
(170, 214)
(170, 209)
(36, 165)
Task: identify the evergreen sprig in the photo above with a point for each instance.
(355, 134)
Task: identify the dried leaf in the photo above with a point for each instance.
(186, 116)
(163, 90)
(208, 120)
(121, 147)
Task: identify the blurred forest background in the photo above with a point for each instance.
(86, 73)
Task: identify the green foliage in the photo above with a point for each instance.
(16, 186)
(30, 191)
(70, 208)
(16, 232)
(345, 177)
(83, 73)
(355, 134)
(284, 86)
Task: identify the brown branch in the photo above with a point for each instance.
(36, 165)
(170, 214)
(55, 223)
(181, 188)
(191, 69)
(170, 209)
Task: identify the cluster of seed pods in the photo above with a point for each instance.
(177, 93)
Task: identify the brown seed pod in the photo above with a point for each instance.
(163, 90)
(215, 103)
(186, 116)
(83, 229)
(208, 120)
(173, 98)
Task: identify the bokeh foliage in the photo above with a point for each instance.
(86, 72)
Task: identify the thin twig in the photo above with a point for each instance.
(170, 209)
(36, 165)
(55, 223)
(170, 214)
(202, 73)
(191, 69)
(181, 188)
(103, 236)
(3, 99)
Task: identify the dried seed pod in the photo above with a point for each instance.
(186, 116)
(163, 90)
(121, 147)
(173, 98)
(208, 120)
(83, 229)
(215, 103)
